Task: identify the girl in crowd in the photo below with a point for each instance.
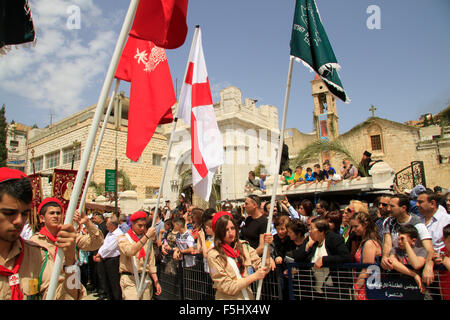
(282, 243)
(369, 248)
(233, 264)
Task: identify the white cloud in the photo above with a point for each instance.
(217, 87)
(65, 64)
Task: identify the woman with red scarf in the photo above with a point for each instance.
(234, 264)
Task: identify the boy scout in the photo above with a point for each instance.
(25, 269)
(50, 213)
(132, 246)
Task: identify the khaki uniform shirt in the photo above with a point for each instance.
(29, 273)
(91, 241)
(226, 283)
(128, 282)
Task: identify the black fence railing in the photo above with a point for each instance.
(303, 282)
(411, 176)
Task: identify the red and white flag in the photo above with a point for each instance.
(151, 94)
(196, 109)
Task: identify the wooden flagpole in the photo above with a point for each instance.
(275, 174)
(166, 162)
(91, 138)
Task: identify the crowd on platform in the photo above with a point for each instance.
(308, 176)
(409, 234)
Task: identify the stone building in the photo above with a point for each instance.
(62, 142)
(249, 135)
(397, 144)
(16, 145)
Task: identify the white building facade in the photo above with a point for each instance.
(250, 138)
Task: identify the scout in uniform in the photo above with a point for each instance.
(50, 213)
(132, 246)
(25, 269)
(233, 264)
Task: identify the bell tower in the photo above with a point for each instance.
(325, 111)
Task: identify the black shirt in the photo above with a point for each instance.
(319, 176)
(252, 229)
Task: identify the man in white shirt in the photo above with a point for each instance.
(435, 218)
(109, 255)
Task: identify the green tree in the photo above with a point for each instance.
(3, 133)
(126, 182)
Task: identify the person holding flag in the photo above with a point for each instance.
(25, 269)
(132, 255)
(167, 20)
(233, 264)
(50, 213)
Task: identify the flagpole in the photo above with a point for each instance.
(275, 174)
(91, 137)
(97, 147)
(166, 162)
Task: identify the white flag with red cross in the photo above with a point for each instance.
(196, 109)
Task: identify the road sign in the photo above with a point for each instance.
(110, 180)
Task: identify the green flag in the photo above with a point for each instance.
(310, 44)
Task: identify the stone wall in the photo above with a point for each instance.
(143, 174)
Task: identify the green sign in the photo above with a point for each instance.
(110, 180)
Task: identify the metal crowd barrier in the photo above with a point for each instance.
(302, 282)
(337, 283)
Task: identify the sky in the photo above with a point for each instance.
(402, 67)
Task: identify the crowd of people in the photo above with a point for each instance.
(301, 176)
(409, 234)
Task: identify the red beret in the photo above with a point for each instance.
(138, 215)
(9, 174)
(217, 217)
(48, 200)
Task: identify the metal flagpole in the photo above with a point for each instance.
(166, 162)
(275, 174)
(99, 142)
(91, 137)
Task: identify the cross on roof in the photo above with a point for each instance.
(372, 109)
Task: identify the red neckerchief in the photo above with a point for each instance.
(16, 294)
(47, 233)
(232, 253)
(136, 239)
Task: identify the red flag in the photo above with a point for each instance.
(36, 186)
(151, 95)
(161, 21)
(63, 183)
